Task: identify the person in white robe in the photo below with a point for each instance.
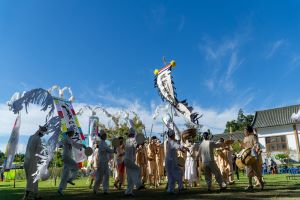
(206, 152)
(34, 146)
(191, 168)
(132, 170)
(174, 173)
(70, 167)
(102, 173)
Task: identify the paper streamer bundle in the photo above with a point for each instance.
(12, 145)
(37, 96)
(48, 149)
(164, 84)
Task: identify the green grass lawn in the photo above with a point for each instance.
(276, 188)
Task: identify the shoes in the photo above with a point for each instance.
(231, 182)
(171, 193)
(116, 186)
(249, 188)
(209, 190)
(142, 187)
(71, 183)
(223, 189)
(183, 190)
(60, 193)
(129, 194)
(105, 193)
(38, 197)
(94, 191)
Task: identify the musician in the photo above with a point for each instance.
(160, 158)
(251, 142)
(120, 166)
(152, 155)
(70, 168)
(225, 162)
(132, 170)
(102, 173)
(206, 153)
(142, 161)
(34, 146)
(174, 173)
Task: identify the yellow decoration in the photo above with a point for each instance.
(156, 71)
(173, 63)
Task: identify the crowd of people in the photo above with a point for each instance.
(153, 162)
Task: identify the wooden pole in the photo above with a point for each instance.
(297, 140)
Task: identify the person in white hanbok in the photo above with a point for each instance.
(70, 167)
(191, 168)
(174, 173)
(102, 173)
(132, 170)
(206, 153)
(34, 146)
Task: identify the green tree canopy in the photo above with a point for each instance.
(239, 124)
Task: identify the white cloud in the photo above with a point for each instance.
(218, 56)
(212, 119)
(216, 120)
(275, 47)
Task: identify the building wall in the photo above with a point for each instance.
(277, 131)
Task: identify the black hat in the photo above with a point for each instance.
(205, 134)
(153, 137)
(249, 129)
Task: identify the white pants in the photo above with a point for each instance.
(133, 176)
(30, 168)
(102, 176)
(190, 172)
(69, 173)
(174, 174)
(209, 169)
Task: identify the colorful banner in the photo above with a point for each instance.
(12, 145)
(68, 117)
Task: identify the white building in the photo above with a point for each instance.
(277, 132)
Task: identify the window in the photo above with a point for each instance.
(276, 143)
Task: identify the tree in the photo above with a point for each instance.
(1, 157)
(239, 124)
(19, 158)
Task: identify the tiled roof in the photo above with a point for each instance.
(274, 117)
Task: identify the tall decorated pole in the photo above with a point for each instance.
(164, 83)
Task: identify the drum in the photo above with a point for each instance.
(181, 161)
(88, 151)
(140, 139)
(115, 142)
(246, 157)
(239, 164)
(189, 133)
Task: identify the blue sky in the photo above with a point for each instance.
(229, 54)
